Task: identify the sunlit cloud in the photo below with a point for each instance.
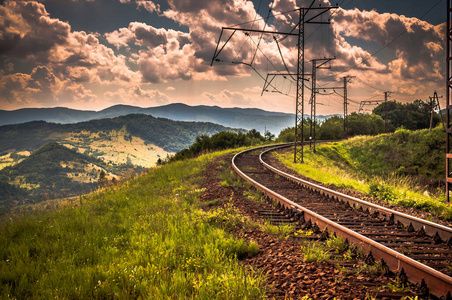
(138, 62)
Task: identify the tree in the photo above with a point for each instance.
(412, 116)
(363, 124)
(269, 136)
(286, 135)
(331, 129)
(102, 181)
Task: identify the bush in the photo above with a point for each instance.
(382, 192)
(219, 141)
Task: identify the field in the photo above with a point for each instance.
(117, 147)
(144, 238)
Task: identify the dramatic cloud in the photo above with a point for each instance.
(64, 58)
(148, 5)
(83, 58)
(27, 31)
(56, 64)
(41, 87)
(418, 49)
(205, 19)
(417, 44)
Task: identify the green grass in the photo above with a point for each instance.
(314, 252)
(336, 164)
(145, 238)
(321, 251)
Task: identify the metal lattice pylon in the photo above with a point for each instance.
(299, 106)
(448, 102)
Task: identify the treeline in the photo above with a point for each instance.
(220, 141)
(411, 116)
(333, 128)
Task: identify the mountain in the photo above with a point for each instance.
(54, 115)
(52, 171)
(171, 135)
(247, 118)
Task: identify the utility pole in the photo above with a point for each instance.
(346, 80)
(313, 105)
(385, 101)
(304, 17)
(448, 100)
(299, 115)
(299, 99)
(387, 94)
(434, 103)
(312, 137)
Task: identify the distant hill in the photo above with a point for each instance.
(52, 171)
(66, 159)
(247, 118)
(171, 136)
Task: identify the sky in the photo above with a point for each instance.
(92, 54)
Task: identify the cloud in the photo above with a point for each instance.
(65, 62)
(415, 69)
(148, 5)
(63, 59)
(41, 87)
(137, 96)
(143, 35)
(410, 64)
(27, 31)
(84, 59)
(228, 98)
(164, 54)
(417, 44)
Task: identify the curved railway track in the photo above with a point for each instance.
(413, 248)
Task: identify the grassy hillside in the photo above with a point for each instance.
(52, 171)
(405, 168)
(133, 139)
(146, 238)
(419, 154)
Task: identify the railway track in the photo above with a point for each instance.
(415, 249)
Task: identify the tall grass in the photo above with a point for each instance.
(145, 238)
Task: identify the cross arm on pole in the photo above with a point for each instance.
(217, 52)
(325, 9)
(324, 61)
(259, 31)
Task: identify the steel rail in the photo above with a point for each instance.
(438, 283)
(430, 228)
